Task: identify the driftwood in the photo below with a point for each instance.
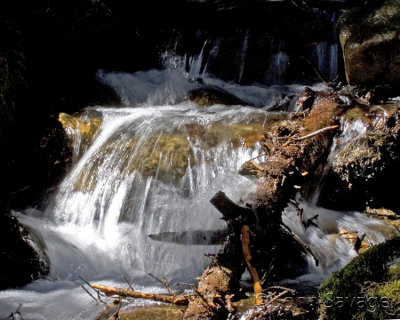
(113, 291)
(297, 146)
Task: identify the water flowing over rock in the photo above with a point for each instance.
(80, 129)
(209, 96)
(364, 161)
(370, 39)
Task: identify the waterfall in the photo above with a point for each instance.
(243, 55)
(278, 64)
(136, 200)
(150, 169)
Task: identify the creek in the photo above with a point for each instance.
(150, 168)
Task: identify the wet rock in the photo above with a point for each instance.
(287, 103)
(22, 253)
(164, 155)
(360, 157)
(367, 288)
(389, 216)
(366, 166)
(209, 96)
(306, 100)
(370, 39)
(81, 129)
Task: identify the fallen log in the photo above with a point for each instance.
(296, 146)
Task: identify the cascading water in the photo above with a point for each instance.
(150, 168)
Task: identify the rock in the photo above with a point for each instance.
(209, 96)
(370, 39)
(366, 166)
(367, 288)
(22, 253)
(306, 100)
(286, 103)
(164, 155)
(389, 216)
(81, 129)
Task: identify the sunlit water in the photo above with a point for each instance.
(152, 167)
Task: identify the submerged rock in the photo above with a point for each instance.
(370, 39)
(209, 96)
(367, 288)
(22, 253)
(163, 155)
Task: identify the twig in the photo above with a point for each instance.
(97, 292)
(299, 212)
(315, 70)
(87, 291)
(302, 243)
(16, 312)
(310, 221)
(278, 296)
(282, 288)
(197, 292)
(129, 283)
(214, 259)
(164, 283)
(312, 134)
(111, 291)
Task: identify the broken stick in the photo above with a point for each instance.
(312, 134)
(111, 291)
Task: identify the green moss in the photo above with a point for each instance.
(360, 290)
(394, 271)
(390, 290)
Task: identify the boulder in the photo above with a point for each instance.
(367, 288)
(22, 253)
(370, 39)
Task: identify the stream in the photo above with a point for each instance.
(151, 168)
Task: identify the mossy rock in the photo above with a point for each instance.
(367, 288)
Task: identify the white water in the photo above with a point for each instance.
(97, 223)
(152, 168)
